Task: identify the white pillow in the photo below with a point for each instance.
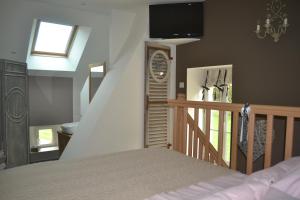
(251, 190)
(275, 173)
(290, 184)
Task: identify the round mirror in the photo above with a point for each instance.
(159, 65)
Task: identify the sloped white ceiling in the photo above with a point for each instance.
(106, 5)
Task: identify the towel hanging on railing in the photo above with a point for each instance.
(260, 131)
(245, 111)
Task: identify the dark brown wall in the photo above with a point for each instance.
(264, 72)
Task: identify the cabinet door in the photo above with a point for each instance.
(2, 153)
(16, 115)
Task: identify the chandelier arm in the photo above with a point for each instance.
(284, 29)
(276, 9)
(276, 23)
(279, 16)
(261, 36)
(273, 30)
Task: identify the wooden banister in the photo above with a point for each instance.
(189, 139)
(257, 109)
(199, 134)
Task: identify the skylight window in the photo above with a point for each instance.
(53, 39)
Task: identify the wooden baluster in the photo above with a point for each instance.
(251, 127)
(195, 146)
(220, 137)
(181, 125)
(269, 139)
(180, 131)
(289, 138)
(234, 140)
(175, 129)
(212, 159)
(196, 127)
(200, 152)
(190, 144)
(184, 136)
(207, 134)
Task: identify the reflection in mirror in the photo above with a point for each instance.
(97, 73)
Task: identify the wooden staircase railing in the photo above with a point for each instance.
(196, 144)
(189, 139)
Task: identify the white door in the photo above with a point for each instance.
(156, 95)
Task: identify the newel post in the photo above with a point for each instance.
(180, 121)
(181, 97)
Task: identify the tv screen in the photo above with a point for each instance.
(179, 20)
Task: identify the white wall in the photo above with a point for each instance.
(85, 97)
(16, 19)
(120, 27)
(96, 51)
(59, 64)
(195, 78)
(114, 120)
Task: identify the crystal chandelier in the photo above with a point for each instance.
(276, 22)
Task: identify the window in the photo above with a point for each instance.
(53, 39)
(45, 137)
(97, 69)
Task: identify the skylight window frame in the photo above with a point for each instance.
(46, 53)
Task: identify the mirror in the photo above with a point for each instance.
(159, 66)
(97, 73)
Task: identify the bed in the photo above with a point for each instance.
(133, 175)
(152, 174)
(194, 169)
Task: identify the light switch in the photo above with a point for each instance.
(181, 85)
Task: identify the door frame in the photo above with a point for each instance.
(150, 46)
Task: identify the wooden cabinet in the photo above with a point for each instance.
(14, 145)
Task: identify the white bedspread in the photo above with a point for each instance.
(280, 182)
(202, 190)
(132, 175)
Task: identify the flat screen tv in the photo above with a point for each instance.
(178, 20)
